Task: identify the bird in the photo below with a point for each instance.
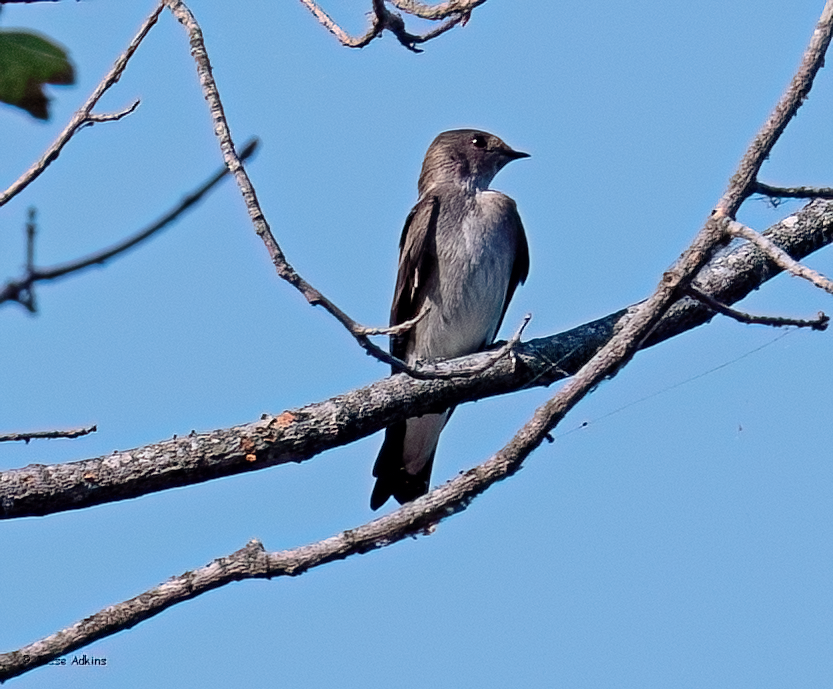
(462, 254)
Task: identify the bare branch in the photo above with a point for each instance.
(299, 434)
(343, 37)
(403, 327)
(793, 192)
(440, 11)
(433, 33)
(454, 11)
(780, 257)
(21, 290)
(26, 295)
(632, 330)
(284, 269)
(818, 323)
(113, 116)
(743, 183)
(82, 117)
(26, 437)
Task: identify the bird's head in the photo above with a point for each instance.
(468, 157)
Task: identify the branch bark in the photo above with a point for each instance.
(729, 274)
(299, 434)
(624, 333)
(783, 259)
(47, 435)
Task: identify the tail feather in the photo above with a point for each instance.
(392, 478)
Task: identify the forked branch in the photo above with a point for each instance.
(454, 12)
(84, 116)
(634, 329)
(261, 226)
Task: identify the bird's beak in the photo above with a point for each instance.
(515, 155)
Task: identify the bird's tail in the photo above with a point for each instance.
(403, 467)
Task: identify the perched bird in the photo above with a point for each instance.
(462, 254)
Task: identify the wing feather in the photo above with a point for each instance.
(417, 261)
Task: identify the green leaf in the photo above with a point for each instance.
(27, 62)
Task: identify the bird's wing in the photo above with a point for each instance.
(520, 268)
(417, 262)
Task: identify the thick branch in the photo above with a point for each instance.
(297, 435)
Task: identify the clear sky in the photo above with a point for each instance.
(681, 539)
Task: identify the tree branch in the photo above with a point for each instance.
(33, 435)
(92, 118)
(299, 434)
(818, 323)
(744, 181)
(783, 259)
(82, 117)
(631, 330)
(282, 266)
(343, 37)
(793, 192)
(21, 290)
(455, 11)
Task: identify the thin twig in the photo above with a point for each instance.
(403, 327)
(112, 116)
(26, 295)
(744, 181)
(282, 266)
(455, 12)
(20, 290)
(780, 257)
(793, 192)
(422, 515)
(82, 117)
(818, 323)
(343, 37)
(26, 437)
(438, 31)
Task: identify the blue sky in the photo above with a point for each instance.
(678, 540)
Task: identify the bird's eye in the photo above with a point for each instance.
(479, 141)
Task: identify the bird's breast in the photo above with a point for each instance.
(475, 249)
